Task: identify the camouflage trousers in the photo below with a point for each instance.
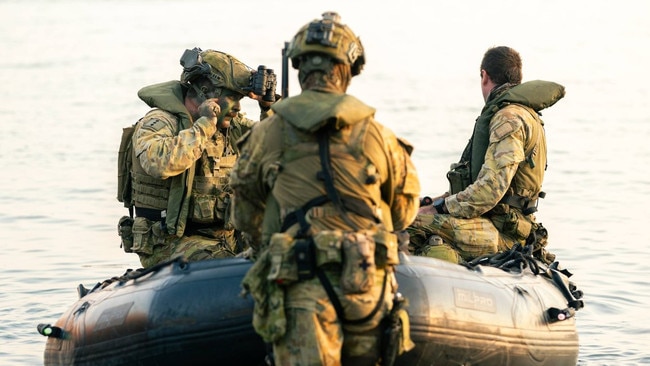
(221, 244)
(315, 335)
(468, 238)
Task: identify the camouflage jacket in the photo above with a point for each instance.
(509, 156)
(170, 151)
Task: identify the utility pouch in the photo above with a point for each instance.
(358, 274)
(124, 162)
(125, 231)
(514, 224)
(442, 251)
(327, 247)
(142, 236)
(283, 268)
(390, 340)
(396, 338)
(386, 251)
(269, 318)
(203, 208)
(303, 250)
(524, 227)
(458, 177)
(222, 207)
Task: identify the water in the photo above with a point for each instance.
(70, 70)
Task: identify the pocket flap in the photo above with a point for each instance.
(328, 246)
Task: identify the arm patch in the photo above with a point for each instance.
(154, 125)
(157, 119)
(504, 123)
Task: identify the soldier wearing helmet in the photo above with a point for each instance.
(323, 187)
(182, 151)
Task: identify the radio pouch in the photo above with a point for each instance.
(458, 177)
(303, 250)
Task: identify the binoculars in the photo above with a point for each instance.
(263, 83)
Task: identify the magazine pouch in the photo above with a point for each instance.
(327, 247)
(125, 231)
(458, 177)
(386, 249)
(283, 268)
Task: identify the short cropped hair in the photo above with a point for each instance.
(503, 65)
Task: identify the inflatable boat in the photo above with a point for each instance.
(180, 313)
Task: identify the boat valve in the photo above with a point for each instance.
(556, 315)
(50, 331)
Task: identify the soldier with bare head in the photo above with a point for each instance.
(496, 186)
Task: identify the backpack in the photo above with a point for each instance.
(124, 163)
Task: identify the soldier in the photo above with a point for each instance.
(495, 187)
(323, 186)
(182, 153)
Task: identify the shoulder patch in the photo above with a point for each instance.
(504, 123)
(157, 119)
(154, 124)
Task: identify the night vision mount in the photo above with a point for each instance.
(193, 65)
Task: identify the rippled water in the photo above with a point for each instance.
(70, 70)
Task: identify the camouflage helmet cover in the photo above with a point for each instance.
(224, 70)
(328, 36)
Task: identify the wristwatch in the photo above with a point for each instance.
(439, 205)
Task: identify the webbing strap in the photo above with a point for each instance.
(350, 204)
(326, 175)
(525, 204)
(332, 194)
(299, 215)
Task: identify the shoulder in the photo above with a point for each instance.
(158, 118)
(240, 125)
(243, 122)
(387, 138)
(507, 121)
(264, 133)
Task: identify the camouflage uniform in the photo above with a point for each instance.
(276, 176)
(479, 220)
(168, 151)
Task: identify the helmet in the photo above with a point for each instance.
(328, 36)
(221, 68)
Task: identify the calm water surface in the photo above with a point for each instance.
(70, 70)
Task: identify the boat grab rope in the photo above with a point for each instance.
(132, 274)
(518, 258)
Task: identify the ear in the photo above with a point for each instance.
(486, 84)
(485, 78)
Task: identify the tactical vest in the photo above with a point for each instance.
(208, 196)
(147, 191)
(191, 194)
(532, 96)
(355, 177)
